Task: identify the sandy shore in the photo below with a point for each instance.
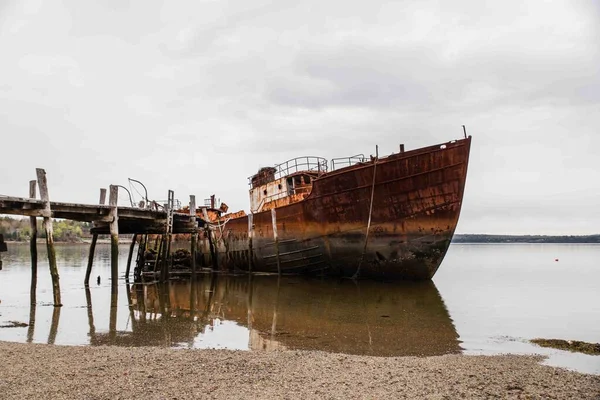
(60, 372)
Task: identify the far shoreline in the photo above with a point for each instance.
(472, 238)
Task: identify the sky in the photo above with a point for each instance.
(195, 96)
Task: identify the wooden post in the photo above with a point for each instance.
(102, 196)
(88, 271)
(133, 241)
(194, 238)
(250, 237)
(47, 214)
(112, 323)
(114, 235)
(213, 250)
(33, 289)
(33, 246)
(274, 220)
(32, 309)
(90, 314)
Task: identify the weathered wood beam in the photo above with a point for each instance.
(77, 212)
(128, 227)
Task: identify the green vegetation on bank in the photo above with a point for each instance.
(18, 229)
(476, 238)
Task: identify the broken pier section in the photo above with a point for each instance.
(150, 223)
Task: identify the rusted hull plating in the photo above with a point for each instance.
(416, 201)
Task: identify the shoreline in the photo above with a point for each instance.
(40, 371)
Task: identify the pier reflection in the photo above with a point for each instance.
(370, 318)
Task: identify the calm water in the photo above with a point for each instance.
(485, 299)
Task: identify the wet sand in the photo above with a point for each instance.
(37, 371)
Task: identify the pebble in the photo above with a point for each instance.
(37, 371)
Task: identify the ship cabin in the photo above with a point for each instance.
(286, 183)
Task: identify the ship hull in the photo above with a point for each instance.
(391, 218)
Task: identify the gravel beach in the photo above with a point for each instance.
(35, 371)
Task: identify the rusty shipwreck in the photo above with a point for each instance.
(387, 217)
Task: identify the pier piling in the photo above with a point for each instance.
(112, 323)
(33, 244)
(102, 196)
(131, 248)
(88, 270)
(194, 236)
(114, 235)
(47, 215)
(211, 244)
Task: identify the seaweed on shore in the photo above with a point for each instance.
(569, 345)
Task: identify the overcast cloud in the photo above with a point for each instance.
(195, 96)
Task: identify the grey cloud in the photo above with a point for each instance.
(363, 75)
(196, 96)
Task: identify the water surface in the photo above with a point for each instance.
(485, 299)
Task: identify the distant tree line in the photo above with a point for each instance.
(18, 229)
(475, 238)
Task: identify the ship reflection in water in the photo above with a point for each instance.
(267, 313)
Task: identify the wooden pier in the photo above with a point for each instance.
(151, 219)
